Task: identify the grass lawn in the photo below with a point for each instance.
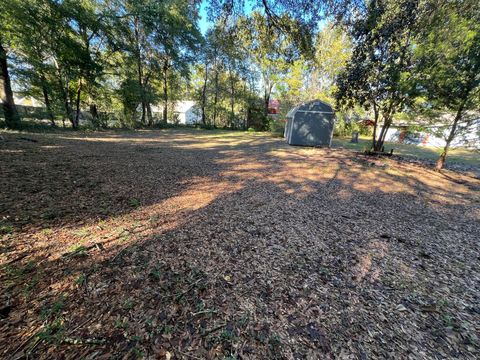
(457, 156)
(185, 244)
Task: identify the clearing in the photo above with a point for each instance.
(202, 245)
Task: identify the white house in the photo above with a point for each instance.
(186, 112)
(434, 136)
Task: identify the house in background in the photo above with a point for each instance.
(185, 112)
(434, 135)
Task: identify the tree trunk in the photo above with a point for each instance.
(149, 114)
(266, 98)
(140, 70)
(77, 104)
(63, 89)
(443, 156)
(232, 99)
(47, 103)
(204, 94)
(94, 113)
(12, 119)
(215, 99)
(383, 133)
(375, 125)
(165, 92)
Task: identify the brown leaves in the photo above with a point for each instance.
(235, 246)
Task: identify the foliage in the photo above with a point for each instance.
(448, 72)
(377, 77)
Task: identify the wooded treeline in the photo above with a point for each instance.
(131, 60)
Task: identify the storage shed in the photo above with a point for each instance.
(310, 124)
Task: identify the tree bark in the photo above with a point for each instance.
(94, 113)
(375, 125)
(383, 133)
(12, 119)
(77, 104)
(149, 114)
(46, 98)
(64, 93)
(443, 156)
(165, 92)
(204, 94)
(140, 70)
(266, 97)
(215, 99)
(232, 99)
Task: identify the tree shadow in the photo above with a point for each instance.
(259, 250)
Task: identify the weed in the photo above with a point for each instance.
(6, 229)
(155, 274)
(138, 353)
(81, 279)
(31, 285)
(82, 233)
(46, 231)
(128, 304)
(447, 320)
(120, 324)
(53, 332)
(167, 329)
(134, 202)
(54, 310)
(78, 251)
(154, 219)
(135, 338)
(227, 335)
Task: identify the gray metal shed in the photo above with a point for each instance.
(310, 124)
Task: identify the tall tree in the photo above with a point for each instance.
(449, 67)
(7, 31)
(377, 76)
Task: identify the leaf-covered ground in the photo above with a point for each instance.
(210, 245)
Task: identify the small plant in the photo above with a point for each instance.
(447, 320)
(155, 274)
(78, 251)
(53, 332)
(54, 310)
(128, 304)
(134, 202)
(82, 233)
(81, 279)
(31, 285)
(46, 231)
(138, 353)
(6, 229)
(120, 324)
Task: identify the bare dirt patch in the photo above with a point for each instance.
(186, 244)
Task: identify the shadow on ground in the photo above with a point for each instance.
(197, 245)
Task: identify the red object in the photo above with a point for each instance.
(368, 122)
(273, 107)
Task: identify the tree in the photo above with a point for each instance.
(271, 50)
(333, 50)
(449, 67)
(377, 77)
(12, 119)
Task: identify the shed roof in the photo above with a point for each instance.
(317, 106)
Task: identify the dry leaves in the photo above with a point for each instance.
(205, 245)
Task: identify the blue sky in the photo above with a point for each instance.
(204, 23)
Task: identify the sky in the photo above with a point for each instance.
(204, 23)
